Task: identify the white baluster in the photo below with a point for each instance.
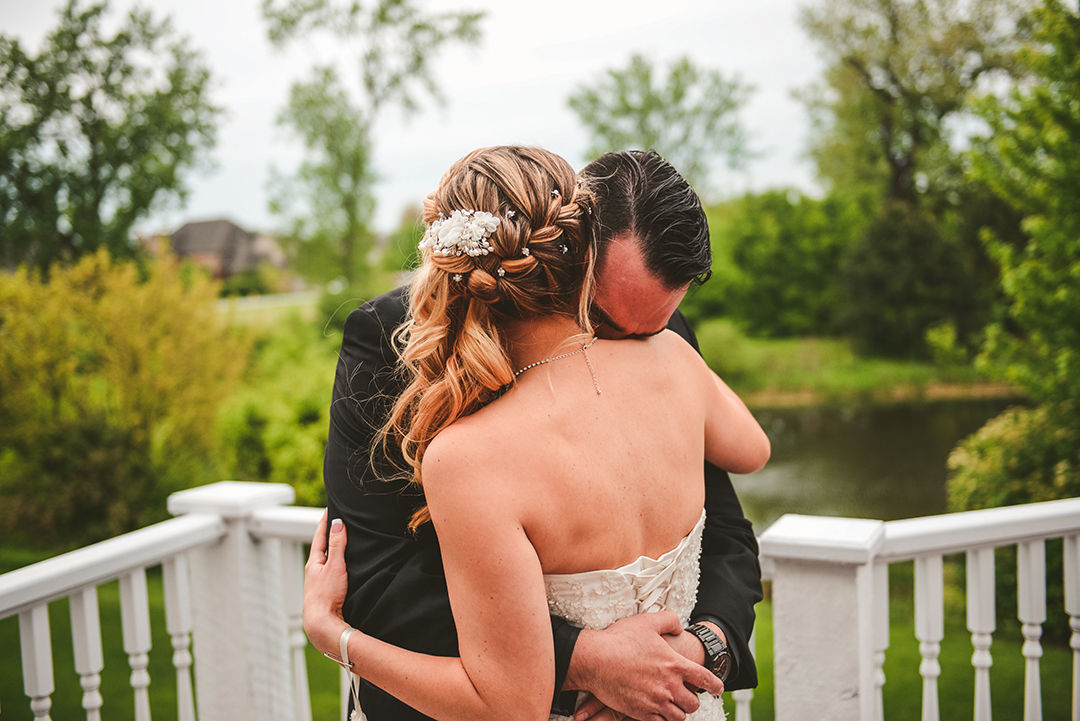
(1031, 594)
(86, 639)
(292, 578)
(744, 696)
(880, 634)
(178, 622)
(1072, 607)
(36, 645)
(135, 617)
(929, 628)
(981, 623)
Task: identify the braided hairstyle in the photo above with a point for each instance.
(540, 263)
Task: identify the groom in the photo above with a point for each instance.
(654, 242)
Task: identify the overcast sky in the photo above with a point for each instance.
(512, 88)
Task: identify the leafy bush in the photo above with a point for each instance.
(337, 301)
(340, 299)
(109, 387)
(274, 427)
(402, 252)
(1021, 456)
(262, 280)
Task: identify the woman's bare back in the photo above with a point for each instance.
(600, 480)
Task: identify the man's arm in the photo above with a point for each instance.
(730, 583)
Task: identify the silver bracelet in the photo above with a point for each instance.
(343, 646)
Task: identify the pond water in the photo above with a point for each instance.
(884, 462)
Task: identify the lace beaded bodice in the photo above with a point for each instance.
(597, 599)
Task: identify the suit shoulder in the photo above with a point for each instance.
(680, 325)
(382, 314)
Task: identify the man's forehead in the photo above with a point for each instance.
(622, 258)
(628, 297)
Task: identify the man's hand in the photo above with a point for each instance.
(630, 668)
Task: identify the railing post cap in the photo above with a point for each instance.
(231, 499)
(822, 538)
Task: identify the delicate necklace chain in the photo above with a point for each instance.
(583, 349)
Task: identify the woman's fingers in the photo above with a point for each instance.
(325, 585)
(335, 554)
(318, 541)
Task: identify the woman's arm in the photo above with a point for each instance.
(506, 669)
(733, 439)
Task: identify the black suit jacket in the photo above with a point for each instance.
(397, 590)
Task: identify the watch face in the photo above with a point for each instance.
(723, 666)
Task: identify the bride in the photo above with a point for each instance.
(562, 473)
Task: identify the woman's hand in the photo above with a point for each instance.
(325, 585)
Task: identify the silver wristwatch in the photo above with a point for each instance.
(718, 658)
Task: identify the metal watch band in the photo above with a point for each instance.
(718, 658)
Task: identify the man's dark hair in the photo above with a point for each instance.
(640, 193)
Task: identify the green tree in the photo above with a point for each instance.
(1032, 158)
(789, 249)
(328, 201)
(95, 132)
(689, 116)
(899, 70)
(901, 78)
(395, 44)
(901, 278)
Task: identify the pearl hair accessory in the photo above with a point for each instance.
(501, 271)
(465, 232)
(525, 251)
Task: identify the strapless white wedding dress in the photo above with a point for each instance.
(597, 599)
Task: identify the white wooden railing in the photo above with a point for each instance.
(28, 591)
(830, 586)
(233, 572)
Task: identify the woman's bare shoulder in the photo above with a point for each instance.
(466, 449)
(672, 350)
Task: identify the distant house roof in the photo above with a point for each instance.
(224, 247)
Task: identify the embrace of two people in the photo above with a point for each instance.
(524, 527)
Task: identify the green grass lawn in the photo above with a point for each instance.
(902, 692)
(823, 370)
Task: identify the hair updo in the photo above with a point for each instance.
(539, 263)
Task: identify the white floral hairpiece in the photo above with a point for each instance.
(465, 232)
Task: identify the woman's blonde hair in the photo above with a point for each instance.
(455, 358)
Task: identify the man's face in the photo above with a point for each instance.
(628, 301)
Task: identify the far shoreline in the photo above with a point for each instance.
(776, 399)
